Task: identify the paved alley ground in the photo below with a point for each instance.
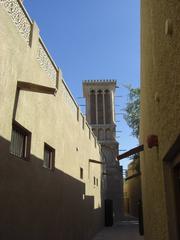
(124, 230)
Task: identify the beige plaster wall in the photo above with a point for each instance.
(132, 195)
(37, 203)
(160, 105)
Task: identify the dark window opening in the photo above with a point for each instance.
(20, 141)
(81, 173)
(49, 157)
(108, 107)
(100, 107)
(94, 181)
(93, 107)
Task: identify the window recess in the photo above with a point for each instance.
(20, 141)
(49, 157)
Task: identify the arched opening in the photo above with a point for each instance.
(93, 107)
(100, 107)
(108, 107)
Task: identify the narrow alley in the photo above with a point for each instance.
(124, 230)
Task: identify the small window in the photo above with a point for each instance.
(20, 141)
(94, 181)
(49, 157)
(97, 182)
(81, 173)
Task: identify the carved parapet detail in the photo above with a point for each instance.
(19, 17)
(68, 99)
(46, 62)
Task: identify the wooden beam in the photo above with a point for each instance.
(32, 87)
(95, 161)
(131, 152)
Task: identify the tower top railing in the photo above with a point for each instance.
(104, 81)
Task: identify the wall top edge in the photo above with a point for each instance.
(69, 92)
(47, 52)
(25, 11)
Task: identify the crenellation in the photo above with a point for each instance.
(101, 81)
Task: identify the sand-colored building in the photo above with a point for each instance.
(160, 117)
(100, 114)
(50, 160)
(132, 188)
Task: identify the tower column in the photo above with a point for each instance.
(112, 106)
(96, 107)
(104, 116)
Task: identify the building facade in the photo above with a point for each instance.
(160, 117)
(100, 113)
(132, 188)
(50, 184)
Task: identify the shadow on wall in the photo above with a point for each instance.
(132, 195)
(37, 203)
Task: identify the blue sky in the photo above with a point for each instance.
(93, 39)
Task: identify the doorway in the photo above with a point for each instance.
(172, 188)
(177, 194)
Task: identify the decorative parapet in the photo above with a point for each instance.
(24, 25)
(46, 62)
(69, 99)
(19, 16)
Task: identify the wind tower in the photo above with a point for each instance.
(100, 108)
(100, 114)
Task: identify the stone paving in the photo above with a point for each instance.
(124, 230)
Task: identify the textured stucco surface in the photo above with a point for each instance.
(37, 203)
(160, 106)
(132, 191)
